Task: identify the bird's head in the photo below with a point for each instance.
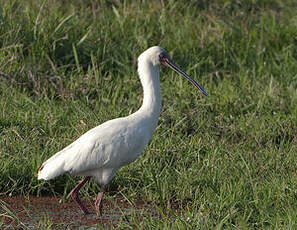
(158, 56)
(152, 55)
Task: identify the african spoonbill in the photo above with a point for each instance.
(101, 151)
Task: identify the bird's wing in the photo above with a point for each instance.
(110, 145)
(94, 149)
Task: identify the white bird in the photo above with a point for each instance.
(101, 151)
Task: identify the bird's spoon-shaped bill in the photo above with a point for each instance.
(167, 62)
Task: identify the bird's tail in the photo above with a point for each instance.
(52, 168)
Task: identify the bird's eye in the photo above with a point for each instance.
(162, 58)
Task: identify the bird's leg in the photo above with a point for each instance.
(75, 197)
(98, 202)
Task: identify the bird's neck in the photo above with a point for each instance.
(150, 80)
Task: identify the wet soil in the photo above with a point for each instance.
(29, 211)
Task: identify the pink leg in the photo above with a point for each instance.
(75, 197)
(98, 202)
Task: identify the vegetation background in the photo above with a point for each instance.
(223, 161)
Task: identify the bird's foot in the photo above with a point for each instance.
(85, 211)
(99, 210)
(98, 204)
(82, 207)
(75, 197)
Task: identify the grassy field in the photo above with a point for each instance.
(226, 161)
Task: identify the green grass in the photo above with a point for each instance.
(227, 160)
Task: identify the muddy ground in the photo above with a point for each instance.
(15, 212)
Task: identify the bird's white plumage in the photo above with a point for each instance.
(101, 151)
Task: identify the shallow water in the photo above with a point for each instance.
(32, 212)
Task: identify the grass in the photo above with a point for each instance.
(226, 161)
